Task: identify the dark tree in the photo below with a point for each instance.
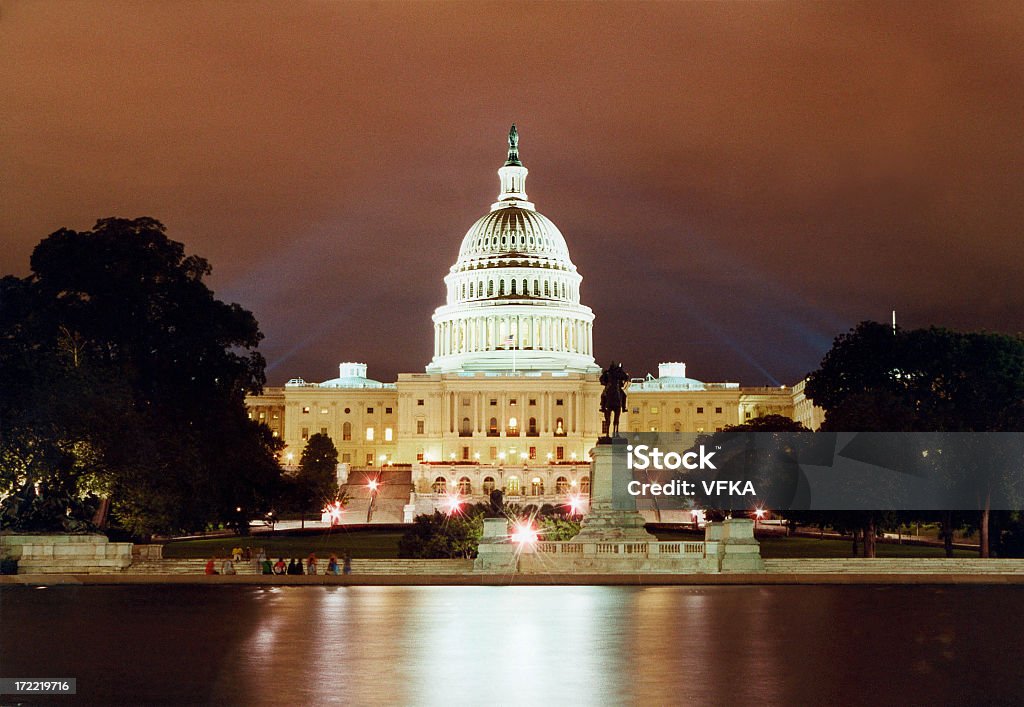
(316, 482)
(875, 379)
(124, 378)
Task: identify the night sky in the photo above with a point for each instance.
(737, 183)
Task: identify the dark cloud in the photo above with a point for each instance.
(738, 182)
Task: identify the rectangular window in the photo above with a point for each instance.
(276, 416)
(419, 427)
(466, 402)
(494, 453)
(263, 416)
(419, 456)
(369, 411)
(494, 401)
(346, 458)
(305, 409)
(369, 434)
(636, 411)
(419, 401)
(559, 453)
(465, 454)
(533, 452)
(654, 409)
(305, 433)
(387, 411)
(718, 411)
(747, 415)
(718, 429)
(533, 401)
(513, 402)
(559, 401)
(323, 430)
(388, 434)
(369, 459)
(700, 411)
(323, 411)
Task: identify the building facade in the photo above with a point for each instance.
(510, 398)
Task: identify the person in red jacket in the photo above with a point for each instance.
(211, 566)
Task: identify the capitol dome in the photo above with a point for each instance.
(513, 293)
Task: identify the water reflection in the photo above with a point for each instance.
(519, 645)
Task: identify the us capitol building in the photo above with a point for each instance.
(510, 399)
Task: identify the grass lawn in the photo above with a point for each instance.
(358, 543)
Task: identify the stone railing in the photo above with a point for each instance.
(648, 549)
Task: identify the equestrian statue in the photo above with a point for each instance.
(613, 398)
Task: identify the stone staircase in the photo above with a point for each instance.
(359, 566)
(886, 565)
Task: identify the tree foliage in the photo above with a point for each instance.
(316, 482)
(875, 379)
(124, 377)
(443, 536)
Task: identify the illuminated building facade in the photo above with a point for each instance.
(510, 398)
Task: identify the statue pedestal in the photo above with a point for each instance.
(604, 522)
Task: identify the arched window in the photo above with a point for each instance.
(463, 290)
(676, 427)
(492, 427)
(440, 485)
(346, 432)
(531, 428)
(488, 485)
(501, 288)
(512, 486)
(490, 288)
(536, 288)
(585, 485)
(537, 486)
(465, 488)
(547, 290)
(561, 485)
(513, 287)
(559, 428)
(466, 430)
(526, 288)
(471, 289)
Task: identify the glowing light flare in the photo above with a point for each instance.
(372, 484)
(523, 533)
(334, 511)
(577, 504)
(452, 503)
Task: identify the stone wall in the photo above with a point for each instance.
(65, 554)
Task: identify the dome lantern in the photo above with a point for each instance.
(513, 177)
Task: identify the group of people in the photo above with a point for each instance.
(263, 565)
(295, 565)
